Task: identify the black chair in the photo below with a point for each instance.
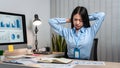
(93, 55)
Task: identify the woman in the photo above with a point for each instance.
(80, 37)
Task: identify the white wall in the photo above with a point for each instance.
(29, 8)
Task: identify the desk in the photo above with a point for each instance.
(24, 51)
(107, 64)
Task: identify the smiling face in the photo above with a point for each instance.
(77, 21)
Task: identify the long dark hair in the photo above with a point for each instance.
(84, 14)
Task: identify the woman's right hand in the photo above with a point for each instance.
(68, 20)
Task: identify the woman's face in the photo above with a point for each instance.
(77, 21)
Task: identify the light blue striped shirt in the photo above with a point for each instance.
(83, 39)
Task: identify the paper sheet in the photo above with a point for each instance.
(79, 62)
(33, 61)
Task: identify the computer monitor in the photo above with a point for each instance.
(12, 28)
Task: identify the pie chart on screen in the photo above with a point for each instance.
(13, 36)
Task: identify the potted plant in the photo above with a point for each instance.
(58, 43)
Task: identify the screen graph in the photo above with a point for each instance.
(11, 28)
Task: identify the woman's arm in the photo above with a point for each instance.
(55, 23)
(98, 18)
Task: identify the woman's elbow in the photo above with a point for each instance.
(50, 21)
(102, 14)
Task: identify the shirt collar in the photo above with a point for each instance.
(80, 30)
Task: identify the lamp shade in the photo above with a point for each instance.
(36, 21)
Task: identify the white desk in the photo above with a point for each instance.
(24, 51)
(107, 65)
(7, 65)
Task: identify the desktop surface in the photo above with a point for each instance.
(39, 65)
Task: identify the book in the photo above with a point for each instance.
(55, 60)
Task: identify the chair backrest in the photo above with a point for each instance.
(93, 55)
(65, 53)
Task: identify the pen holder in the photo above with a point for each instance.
(29, 49)
(47, 49)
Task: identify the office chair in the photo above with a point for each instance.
(93, 55)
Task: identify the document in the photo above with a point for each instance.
(80, 62)
(52, 65)
(34, 61)
(25, 61)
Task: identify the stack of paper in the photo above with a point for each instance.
(21, 56)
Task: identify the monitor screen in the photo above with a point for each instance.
(12, 28)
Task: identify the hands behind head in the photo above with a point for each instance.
(68, 20)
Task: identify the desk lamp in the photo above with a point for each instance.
(36, 23)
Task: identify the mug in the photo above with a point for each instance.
(1, 52)
(1, 55)
(47, 49)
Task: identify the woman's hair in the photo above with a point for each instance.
(84, 14)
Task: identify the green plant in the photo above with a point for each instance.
(58, 43)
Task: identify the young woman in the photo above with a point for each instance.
(80, 37)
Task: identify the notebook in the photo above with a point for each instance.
(55, 60)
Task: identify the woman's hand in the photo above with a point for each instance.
(68, 20)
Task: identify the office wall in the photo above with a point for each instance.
(108, 35)
(29, 8)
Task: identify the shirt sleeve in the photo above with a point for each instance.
(55, 23)
(98, 18)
